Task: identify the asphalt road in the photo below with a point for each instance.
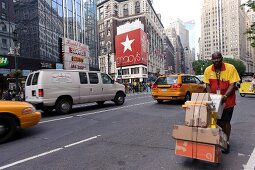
(134, 136)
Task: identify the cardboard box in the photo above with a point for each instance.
(218, 106)
(213, 136)
(198, 116)
(184, 132)
(199, 97)
(210, 153)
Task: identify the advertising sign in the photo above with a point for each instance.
(4, 61)
(131, 48)
(75, 55)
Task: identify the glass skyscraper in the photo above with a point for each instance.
(41, 25)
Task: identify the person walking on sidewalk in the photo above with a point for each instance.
(221, 78)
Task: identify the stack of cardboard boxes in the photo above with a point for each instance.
(200, 137)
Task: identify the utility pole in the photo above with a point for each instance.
(14, 51)
(109, 51)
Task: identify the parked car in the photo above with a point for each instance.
(14, 115)
(61, 89)
(176, 87)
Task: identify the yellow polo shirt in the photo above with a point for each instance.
(228, 75)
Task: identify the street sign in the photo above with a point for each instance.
(4, 61)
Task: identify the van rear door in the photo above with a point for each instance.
(31, 88)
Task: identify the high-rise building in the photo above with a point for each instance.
(7, 26)
(250, 20)
(179, 36)
(222, 29)
(42, 26)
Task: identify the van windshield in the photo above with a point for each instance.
(166, 80)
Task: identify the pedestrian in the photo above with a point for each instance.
(252, 86)
(221, 78)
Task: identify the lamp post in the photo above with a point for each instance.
(109, 49)
(14, 51)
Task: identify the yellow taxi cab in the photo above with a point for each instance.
(14, 115)
(176, 87)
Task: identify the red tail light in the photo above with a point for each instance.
(40, 92)
(154, 86)
(176, 85)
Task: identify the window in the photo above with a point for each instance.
(3, 28)
(29, 79)
(3, 16)
(125, 10)
(93, 78)
(106, 79)
(83, 78)
(101, 13)
(35, 79)
(4, 42)
(3, 5)
(137, 7)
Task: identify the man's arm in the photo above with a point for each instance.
(208, 88)
(229, 91)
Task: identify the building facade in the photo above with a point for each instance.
(42, 25)
(250, 19)
(222, 29)
(115, 13)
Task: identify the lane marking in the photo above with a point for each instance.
(138, 97)
(251, 162)
(46, 153)
(86, 114)
(52, 120)
(82, 141)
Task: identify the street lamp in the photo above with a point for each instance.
(14, 51)
(109, 50)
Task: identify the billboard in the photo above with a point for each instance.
(131, 48)
(75, 55)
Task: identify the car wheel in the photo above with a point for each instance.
(187, 97)
(160, 101)
(63, 106)
(100, 103)
(119, 99)
(8, 128)
(242, 94)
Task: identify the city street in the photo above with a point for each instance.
(136, 135)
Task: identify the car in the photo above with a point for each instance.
(200, 77)
(14, 115)
(61, 89)
(176, 87)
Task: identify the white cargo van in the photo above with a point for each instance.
(60, 89)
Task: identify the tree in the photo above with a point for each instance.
(239, 65)
(199, 66)
(16, 73)
(250, 32)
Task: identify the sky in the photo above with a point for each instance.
(185, 10)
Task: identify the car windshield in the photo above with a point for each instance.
(166, 80)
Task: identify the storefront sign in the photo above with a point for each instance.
(46, 65)
(131, 48)
(76, 55)
(4, 61)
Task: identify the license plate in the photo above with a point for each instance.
(163, 89)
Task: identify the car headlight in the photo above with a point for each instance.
(28, 110)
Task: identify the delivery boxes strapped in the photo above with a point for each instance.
(206, 152)
(214, 136)
(198, 110)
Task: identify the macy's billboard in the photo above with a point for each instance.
(131, 48)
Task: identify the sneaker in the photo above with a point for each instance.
(226, 151)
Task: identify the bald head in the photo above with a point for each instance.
(217, 59)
